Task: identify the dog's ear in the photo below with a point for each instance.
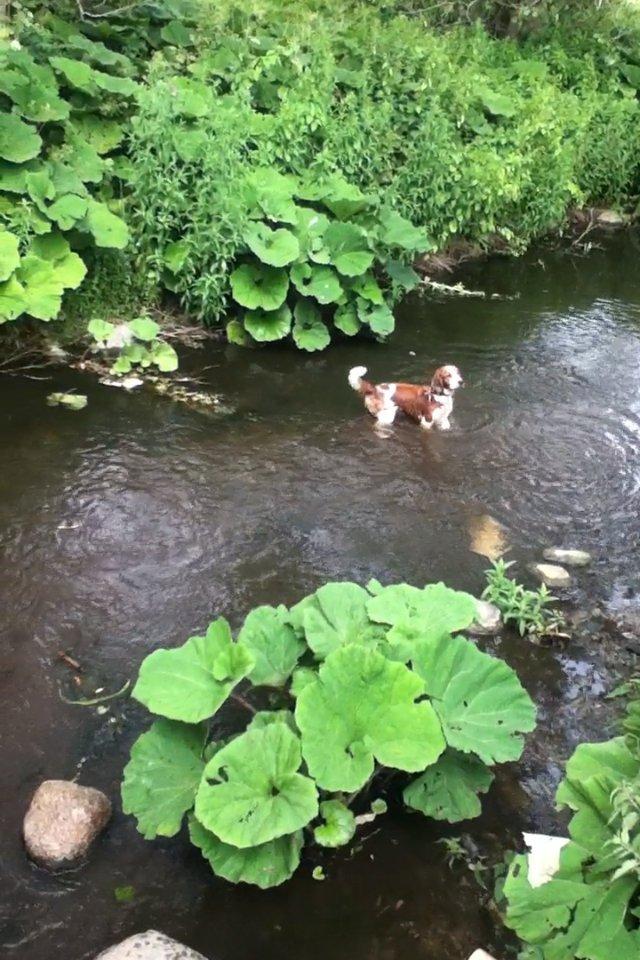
(440, 380)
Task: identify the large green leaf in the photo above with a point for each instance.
(415, 615)
(123, 86)
(275, 247)
(34, 100)
(269, 193)
(164, 356)
(483, 707)
(190, 682)
(162, 776)
(251, 791)
(67, 210)
(266, 865)
(362, 707)
(320, 282)
(268, 325)
(571, 919)
(43, 287)
(108, 230)
(342, 198)
(309, 332)
(592, 773)
(347, 245)
(9, 255)
(336, 615)
(12, 299)
(272, 643)
(259, 287)
(339, 824)
(448, 790)
(310, 229)
(77, 73)
(77, 154)
(101, 134)
(19, 141)
(379, 317)
(397, 231)
(346, 319)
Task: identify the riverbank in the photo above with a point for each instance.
(202, 141)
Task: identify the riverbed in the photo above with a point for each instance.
(130, 524)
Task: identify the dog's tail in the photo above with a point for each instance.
(356, 381)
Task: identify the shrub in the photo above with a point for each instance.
(363, 679)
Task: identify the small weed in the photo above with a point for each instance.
(528, 610)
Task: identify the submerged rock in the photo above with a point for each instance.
(552, 575)
(62, 822)
(488, 620)
(571, 558)
(150, 945)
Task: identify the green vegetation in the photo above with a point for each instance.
(591, 908)
(358, 681)
(279, 146)
(526, 609)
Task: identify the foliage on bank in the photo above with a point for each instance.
(591, 907)
(358, 686)
(166, 116)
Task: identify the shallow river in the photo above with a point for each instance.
(130, 524)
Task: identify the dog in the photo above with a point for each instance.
(430, 405)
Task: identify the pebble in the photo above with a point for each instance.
(150, 945)
(571, 558)
(62, 822)
(488, 620)
(552, 575)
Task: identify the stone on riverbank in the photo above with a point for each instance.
(481, 955)
(570, 558)
(552, 575)
(62, 822)
(488, 620)
(150, 945)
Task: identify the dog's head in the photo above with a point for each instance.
(446, 380)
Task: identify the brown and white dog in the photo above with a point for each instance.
(430, 405)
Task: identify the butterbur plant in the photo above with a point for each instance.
(590, 908)
(316, 252)
(138, 344)
(359, 681)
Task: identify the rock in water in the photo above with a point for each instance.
(488, 620)
(552, 575)
(572, 558)
(62, 822)
(150, 945)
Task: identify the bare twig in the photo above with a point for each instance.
(97, 15)
(244, 703)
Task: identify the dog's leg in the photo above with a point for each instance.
(426, 424)
(444, 424)
(387, 414)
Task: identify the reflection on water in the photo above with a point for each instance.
(128, 525)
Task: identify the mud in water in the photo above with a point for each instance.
(128, 525)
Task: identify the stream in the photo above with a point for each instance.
(132, 523)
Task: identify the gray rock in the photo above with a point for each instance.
(552, 575)
(488, 621)
(62, 822)
(150, 945)
(571, 558)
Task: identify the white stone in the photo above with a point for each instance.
(488, 620)
(572, 558)
(62, 822)
(150, 945)
(552, 575)
(544, 856)
(611, 218)
(481, 955)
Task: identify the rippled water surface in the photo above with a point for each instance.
(128, 525)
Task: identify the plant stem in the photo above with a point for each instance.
(245, 703)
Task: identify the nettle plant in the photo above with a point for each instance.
(591, 907)
(137, 342)
(62, 96)
(315, 251)
(362, 684)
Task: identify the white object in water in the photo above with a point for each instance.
(544, 856)
(481, 955)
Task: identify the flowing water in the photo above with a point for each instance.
(130, 524)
